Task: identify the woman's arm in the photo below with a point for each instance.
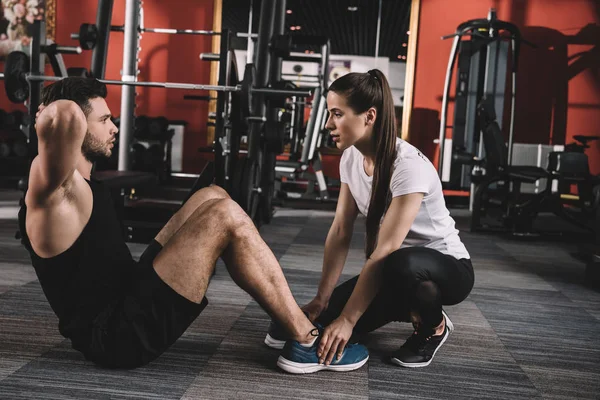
(336, 251)
(396, 224)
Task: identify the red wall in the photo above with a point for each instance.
(558, 85)
(163, 58)
(557, 97)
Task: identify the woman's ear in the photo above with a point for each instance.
(371, 116)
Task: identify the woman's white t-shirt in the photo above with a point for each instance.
(413, 173)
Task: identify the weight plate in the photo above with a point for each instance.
(250, 186)
(268, 188)
(247, 85)
(16, 66)
(88, 36)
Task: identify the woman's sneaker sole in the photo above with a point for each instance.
(304, 368)
(274, 343)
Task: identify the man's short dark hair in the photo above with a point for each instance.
(77, 89)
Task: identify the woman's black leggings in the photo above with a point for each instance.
(415, 279)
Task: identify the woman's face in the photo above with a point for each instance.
(346, 127)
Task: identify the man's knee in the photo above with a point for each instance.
(227, 214)
(206, 194)
(210, 192)
(218, 192)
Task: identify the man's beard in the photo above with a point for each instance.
(93, 149)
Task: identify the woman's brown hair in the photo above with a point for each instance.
(361, 92)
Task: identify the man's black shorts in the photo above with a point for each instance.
(146, 321)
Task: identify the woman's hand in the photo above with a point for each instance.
(315, 308)
(334, 340)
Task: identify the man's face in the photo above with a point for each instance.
(101, 134)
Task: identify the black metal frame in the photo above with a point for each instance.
(99, 54)
(37, 64)
(222, 159)
(518, 211)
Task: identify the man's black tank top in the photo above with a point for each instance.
(89, 276)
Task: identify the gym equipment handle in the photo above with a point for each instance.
(210, 56)
(284, 93)
(56, 49)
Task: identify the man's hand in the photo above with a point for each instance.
(334, 340)
(315, 308)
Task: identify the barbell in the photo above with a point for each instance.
(88, 33)
(17, 77)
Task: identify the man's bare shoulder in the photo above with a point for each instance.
(55, 220)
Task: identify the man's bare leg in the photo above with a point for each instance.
(197, 199)
(219, 227)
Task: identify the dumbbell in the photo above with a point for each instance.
(14, 119)
(19, 148)
(4, 149)
(16, 147)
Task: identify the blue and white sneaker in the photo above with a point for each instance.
(297, 359)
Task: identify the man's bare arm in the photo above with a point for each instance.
(61, 128)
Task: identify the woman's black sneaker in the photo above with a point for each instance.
(420, 348)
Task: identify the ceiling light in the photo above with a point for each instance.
(298, 27)
(404, 44)
(399, 57)
(352, 8)
(288, 11)
(292, 28)
(408, 32)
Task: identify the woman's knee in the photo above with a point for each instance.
(407, 265)
(428, 292)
